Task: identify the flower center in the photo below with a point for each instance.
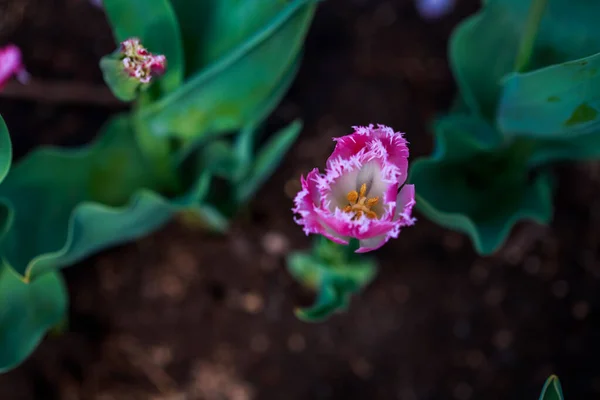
(360, 205)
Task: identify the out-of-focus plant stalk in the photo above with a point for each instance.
(536, 12)
(158, 151)
(524, 148)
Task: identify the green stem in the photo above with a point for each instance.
(522, 149)
(532, 25)
(158, 151)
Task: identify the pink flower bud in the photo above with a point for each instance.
(139, 63)
(158, 65)
(11, 65)
(362, 193)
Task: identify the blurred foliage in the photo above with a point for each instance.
(27, 309)
(552, 389)
(191, 146)
(335, 272)
(527, 74)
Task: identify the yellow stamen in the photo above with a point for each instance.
(360, 205)
(352, 196)
(371, 215)
(363, 190)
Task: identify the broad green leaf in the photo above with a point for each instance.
(483, 48)
(560, 101)
(334, 272)
(552, 389)
(213, 28)
(578, 148)
(67, 204)
(568, 30)
(244, 139)
(267, 159)
(27, 311)
(155, 23)
(227, 95)
(479, 188)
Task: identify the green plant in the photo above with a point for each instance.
(189, 145)
(527, 74)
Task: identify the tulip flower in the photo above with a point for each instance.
(362, 194)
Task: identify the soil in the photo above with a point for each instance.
(182, 314)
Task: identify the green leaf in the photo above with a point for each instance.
(335, 277)
(5, 150)
(552, 389)
(267, 160)
(227, 95)
(67, 204)
(155, 23)
(212, 28)
(27, 311)
(331, 298)
(245, 140)
(219, 158)
(479, 187)
(483, 48)
(578, 148)
(560, 101)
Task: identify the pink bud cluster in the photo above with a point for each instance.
(139, 63)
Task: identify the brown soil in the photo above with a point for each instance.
(185, 315)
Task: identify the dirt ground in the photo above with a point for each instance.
(186, 315)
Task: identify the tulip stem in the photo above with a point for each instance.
(158, 151)
(532, 25)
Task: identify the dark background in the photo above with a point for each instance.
(186, 315)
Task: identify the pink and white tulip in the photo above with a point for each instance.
(11, 64)
(362, 193)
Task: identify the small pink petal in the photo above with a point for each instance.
(11, 65)
(404, 205)
(305, 202)
(390, 145)
(372, 243)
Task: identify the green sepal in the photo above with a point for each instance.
(552, 389)
(155, 24)
(227, 95)
(334, 272)
(123, 86)
(473, 183)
